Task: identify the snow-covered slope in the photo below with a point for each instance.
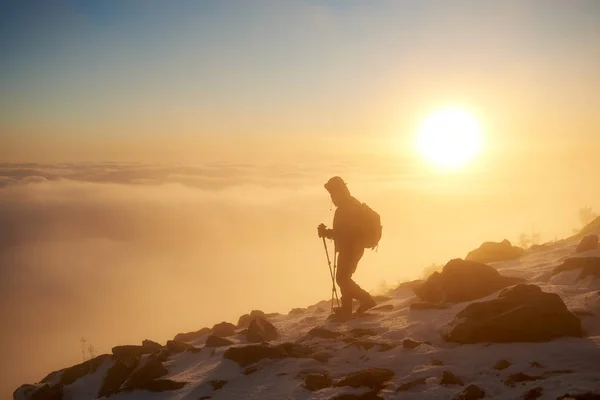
(376, 340)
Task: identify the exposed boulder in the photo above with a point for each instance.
(373, 378)
(246, 355)
(118, 374)
(217, 341)
(370, 395)
(37, 392)
(410, 344)
(588, 266)
(131, 350)
(448, 378)
(71, 374)
(462, 280)
(369, 344)
(520, 377)
(588, 243)
(191, 336)
(261, 330)
(471, 392)
(411, 385)
(502, 364)
(520, 314)
(534, 393)
(223, 329)
(245, 319)
(218, 384)
(410, 285)
(494, 252)
(297, 311)
(317, 381)
(142, 376)
(180, 347)
(151, 345)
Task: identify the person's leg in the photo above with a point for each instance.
(343, 278)
(366, 300)
(347, 264)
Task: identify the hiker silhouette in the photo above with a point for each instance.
(346, 234)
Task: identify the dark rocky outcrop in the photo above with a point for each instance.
(71, 374)
(180, 347)
(502, 364)
(520, 377)
(471, 392)
(217, 341)
(588, 243)
(534, 393)
(462, 280)
(191, 336)
(151, 345)
(520, 314)
(142, 376)
(410, 344)
(448, 378)
(261, 330)
(411, 385)
(580, 396)
(247, 355)
(373, 378)
(494, 252)
(317, 381)
(118, 374)
(223, 329)
(37, 392)
(245, 319)
(218, 384)
(131, 350)
(370, 395)
(588, 266)
(369, 344)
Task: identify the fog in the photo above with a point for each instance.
(118, 253)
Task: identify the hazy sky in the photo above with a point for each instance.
(168, 80)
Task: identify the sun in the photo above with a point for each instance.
(449, 138)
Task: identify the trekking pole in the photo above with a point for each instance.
(331, 272)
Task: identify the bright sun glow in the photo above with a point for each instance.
(449, 138)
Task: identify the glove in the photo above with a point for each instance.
(322, 230)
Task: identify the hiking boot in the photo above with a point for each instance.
(342, 311)
(366, 305)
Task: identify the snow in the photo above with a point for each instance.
(569, 365)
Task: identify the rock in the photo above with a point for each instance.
(371, 395)
(217, 341)
(588, 243)
(502, 364)
(369, 344)
(245, 319)
(117, 374)
(261, 330)
(180, 347)
(494, 252)
(71, 374)
(247, 355)
(533, 394)
(316, 381)
(588, 266)
(216, 385)
(437, 363)
(191, 336)
(448, 378)
(361, 332)
(320, 332)
(462, 280)
(411, 385)
(296, 311)
(581, 396)
(520, 314)
(426, 305)
(223, 329)
(322, 356)
(535, 364)
(43, 392)
(131, 350)
(385, 307)
(151, 345)
(471, 392)
(142, 376)
(410, 344)
(164, 385)
(373, 378)
(411, 285)
(513, 379)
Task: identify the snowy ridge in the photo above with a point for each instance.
(377, 340)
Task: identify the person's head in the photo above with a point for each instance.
(338, 190)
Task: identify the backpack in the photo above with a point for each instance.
(370, 227)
